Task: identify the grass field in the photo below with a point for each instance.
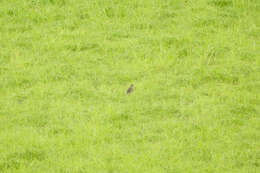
(65, 66)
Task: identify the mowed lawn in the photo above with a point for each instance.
(65, 67)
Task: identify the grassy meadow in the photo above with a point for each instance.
(65, 67)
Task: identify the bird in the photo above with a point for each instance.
(130, 89)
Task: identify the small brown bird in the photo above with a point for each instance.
(130, 89)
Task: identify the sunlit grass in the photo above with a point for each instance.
(65, 67)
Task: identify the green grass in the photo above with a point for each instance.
(65, 66)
